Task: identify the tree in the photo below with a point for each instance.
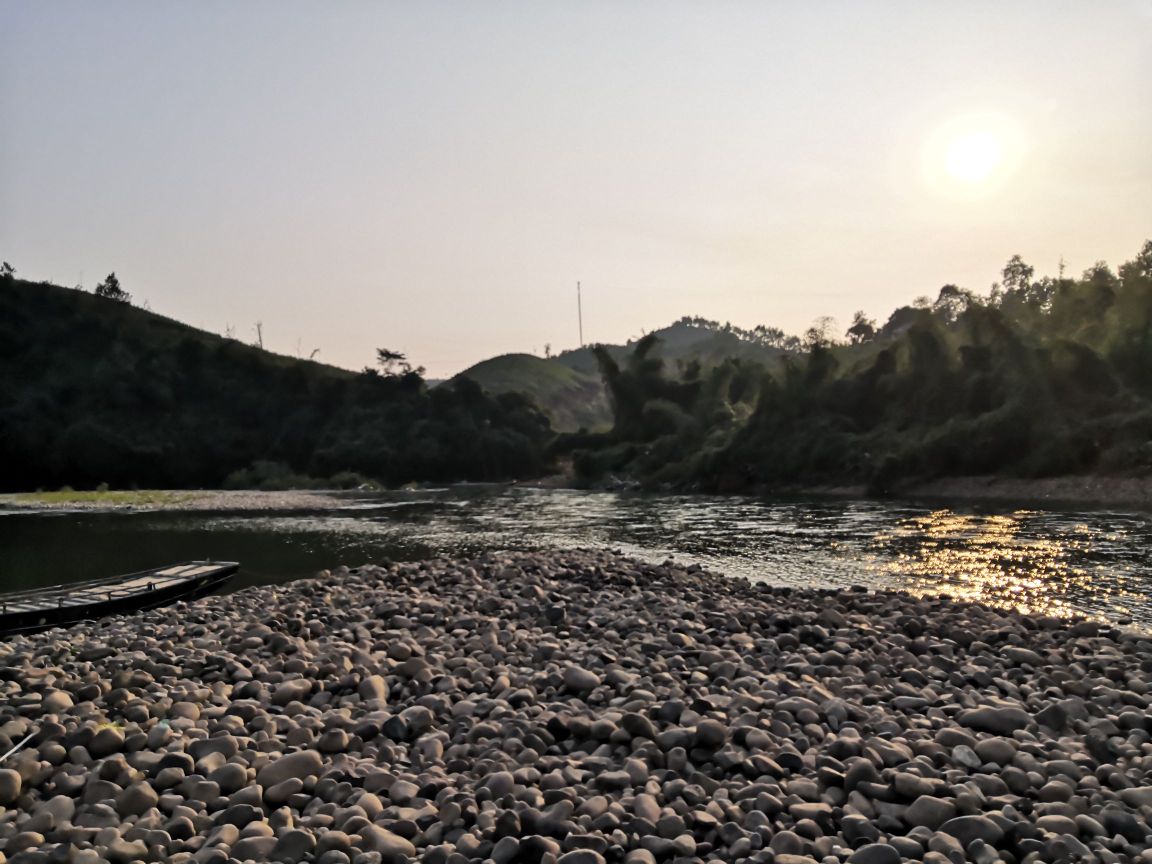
(952, 302)
(1100, 275)
(110, 288)
(863, 328)
(395, 364)
(1138, 267)
(820, 333)
(7, 271)
(1017, 275)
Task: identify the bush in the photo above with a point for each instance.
(352, 480)
(268, 476)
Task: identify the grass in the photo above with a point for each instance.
(120, 497)
(569, 397)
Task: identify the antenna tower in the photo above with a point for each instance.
(580, 314)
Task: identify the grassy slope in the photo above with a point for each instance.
(568, 387)
(571, 398)
(58, 317)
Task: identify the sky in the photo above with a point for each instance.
(435, 177)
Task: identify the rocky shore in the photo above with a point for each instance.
(579, 708)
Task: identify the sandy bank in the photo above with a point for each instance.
(575, 708)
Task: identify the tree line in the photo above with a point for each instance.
(1042, 376)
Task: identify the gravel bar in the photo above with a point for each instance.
(576, 707)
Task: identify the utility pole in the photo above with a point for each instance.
(580, 314)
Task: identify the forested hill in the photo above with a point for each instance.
(94, 390)
(1044, 376)
(570, 389)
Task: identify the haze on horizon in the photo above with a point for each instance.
(434, 178)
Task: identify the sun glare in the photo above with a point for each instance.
(973, 158)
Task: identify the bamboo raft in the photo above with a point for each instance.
(38, 609)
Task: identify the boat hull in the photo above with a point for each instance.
(64, 605)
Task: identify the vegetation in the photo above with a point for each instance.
(572, 398)
(1042, 377)
(94, 390)
(139, 498)
(110, 290)
(569, 387)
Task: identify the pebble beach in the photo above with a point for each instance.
(575, 707)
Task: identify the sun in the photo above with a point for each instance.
(973, 157)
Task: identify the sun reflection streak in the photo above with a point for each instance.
(984, 558)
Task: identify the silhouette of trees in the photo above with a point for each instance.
(148, 401)
(1045, 376)
(110, 289)
(863, 328)
(395, 365)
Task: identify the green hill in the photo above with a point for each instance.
(572, 398)
(93, 390)
(570, 390)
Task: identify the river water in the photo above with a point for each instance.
(1097, 563)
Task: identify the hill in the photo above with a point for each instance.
(572, 398)
(569, 387)
(93, 390)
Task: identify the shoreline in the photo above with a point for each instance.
(575, 707)
(1094, 491)
(1073, 491)
(191, 500)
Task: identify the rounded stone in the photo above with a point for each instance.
(136, 799)
(579, 680)
(875, 853)
(303, 763)
(10, 783)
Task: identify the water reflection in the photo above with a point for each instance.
(1037, 562)
(1043, 562)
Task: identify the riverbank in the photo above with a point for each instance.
(148, 500)
(1074, 491)
(577, 707)
(1092, 490)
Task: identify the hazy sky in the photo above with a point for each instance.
(435, 177)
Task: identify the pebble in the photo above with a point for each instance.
(968, 828)
(10, 783)
(929, 812)
(136, 799)
(389, 845)
(295, 765)
(575, 708)
(580, 680)
(999, 720)
(875, 853)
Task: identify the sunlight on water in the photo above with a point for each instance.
(1002, 560)
(1040, 562)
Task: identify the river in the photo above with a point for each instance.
(1097, 563)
